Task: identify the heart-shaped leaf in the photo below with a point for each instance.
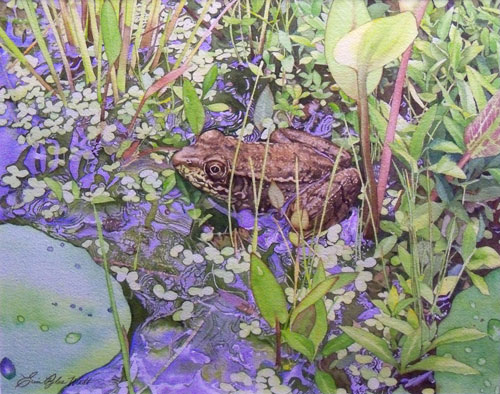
(376, 43)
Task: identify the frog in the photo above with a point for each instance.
(208, 165)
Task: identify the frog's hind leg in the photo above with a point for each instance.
(319, 144)
(343, 193)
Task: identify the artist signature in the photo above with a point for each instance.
(53, 379)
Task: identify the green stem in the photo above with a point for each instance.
(114, 308)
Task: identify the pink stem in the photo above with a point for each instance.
(385, 161)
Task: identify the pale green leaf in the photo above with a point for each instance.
(372, 343)
(110, 32)
(462, 334)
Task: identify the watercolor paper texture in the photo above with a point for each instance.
(250, 196)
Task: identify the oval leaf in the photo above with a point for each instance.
(338, 343)
(372, 343)
(398, 325)
(267, 292)
(325, 382)
(209, 79)
(411, 348)
(263, 107)
(110, 32)
(344, 16)
(376, 43)
(276, 196)
(442, 364)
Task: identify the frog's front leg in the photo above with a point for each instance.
(319, 144)
(343, 193)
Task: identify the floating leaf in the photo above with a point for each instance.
(111, 36)
(316, 294)
(376, 43)
(338, 343)
(195, 113)
(344, 16)
(442, 364)
(372, 343)
(267, 292)
(299, 343)
(482, 136)
(325, 382)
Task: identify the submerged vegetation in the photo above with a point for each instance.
(97, 95)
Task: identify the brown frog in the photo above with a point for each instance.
(207, 164)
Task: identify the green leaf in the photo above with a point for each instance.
(385, 246)
(456, 131)
(398, 325)
(101, 199)
(343, 279)
(455, 335)
(476, 88)
(421, 215)
(447, 166)
(168, 184)
(268, 294)
(218, 107)
(316, 294)
(444, 24)
(55, 186)
(344, 16)
(468, 242)
(325, 382)
(479, 282)
(445, 146)
(193, 108)
(393, 298)
(495, 173)
(338, 343)
(284, 40)
(423, 127)
(263, 107)
(411, 348)
(376, 43)
(442, 364)
(299, 343)
(111, 36)
(372, 343)
(209, 79)
(320, 326)
(484, 257)
(75, 190)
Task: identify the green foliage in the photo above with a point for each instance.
(111, 36)
(193, 107)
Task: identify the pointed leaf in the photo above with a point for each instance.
(209, 79)
(263, 107)
(343, 280)
(276, 196)
(479, 282)
(338, 343)
(195, 113)
(299, 343)
(482, 136)
(442, 364)
(325, 382)
(372, 343)
(268, 294)
(376, 43)
(398, 325)
(344, 16)
(55, 186)
(484, 257)
(447, 166)
(454, 335)
(423, 127)
(316, 294)
(411, 348)
(468, 242)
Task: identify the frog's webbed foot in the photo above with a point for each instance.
(319, 144)
(343, 193)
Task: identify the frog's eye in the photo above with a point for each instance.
(216, 169)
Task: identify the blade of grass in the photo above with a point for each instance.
(93, 13)
(116, 318)
(67, 22)
(82, 45)
(10, 47)
(60, 46)
(129, 11)
(138, 35)
(35, 28)
(154, 14)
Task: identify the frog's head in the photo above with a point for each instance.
(206, 163)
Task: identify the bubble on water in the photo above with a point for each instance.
(494, 329)
(476, 317)
(468, 350)
(472, 304)
(20, 319)
(7, 368)
(50, 249)
(487, 383)
(481, 361)
(44, 327)
(73, 337)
